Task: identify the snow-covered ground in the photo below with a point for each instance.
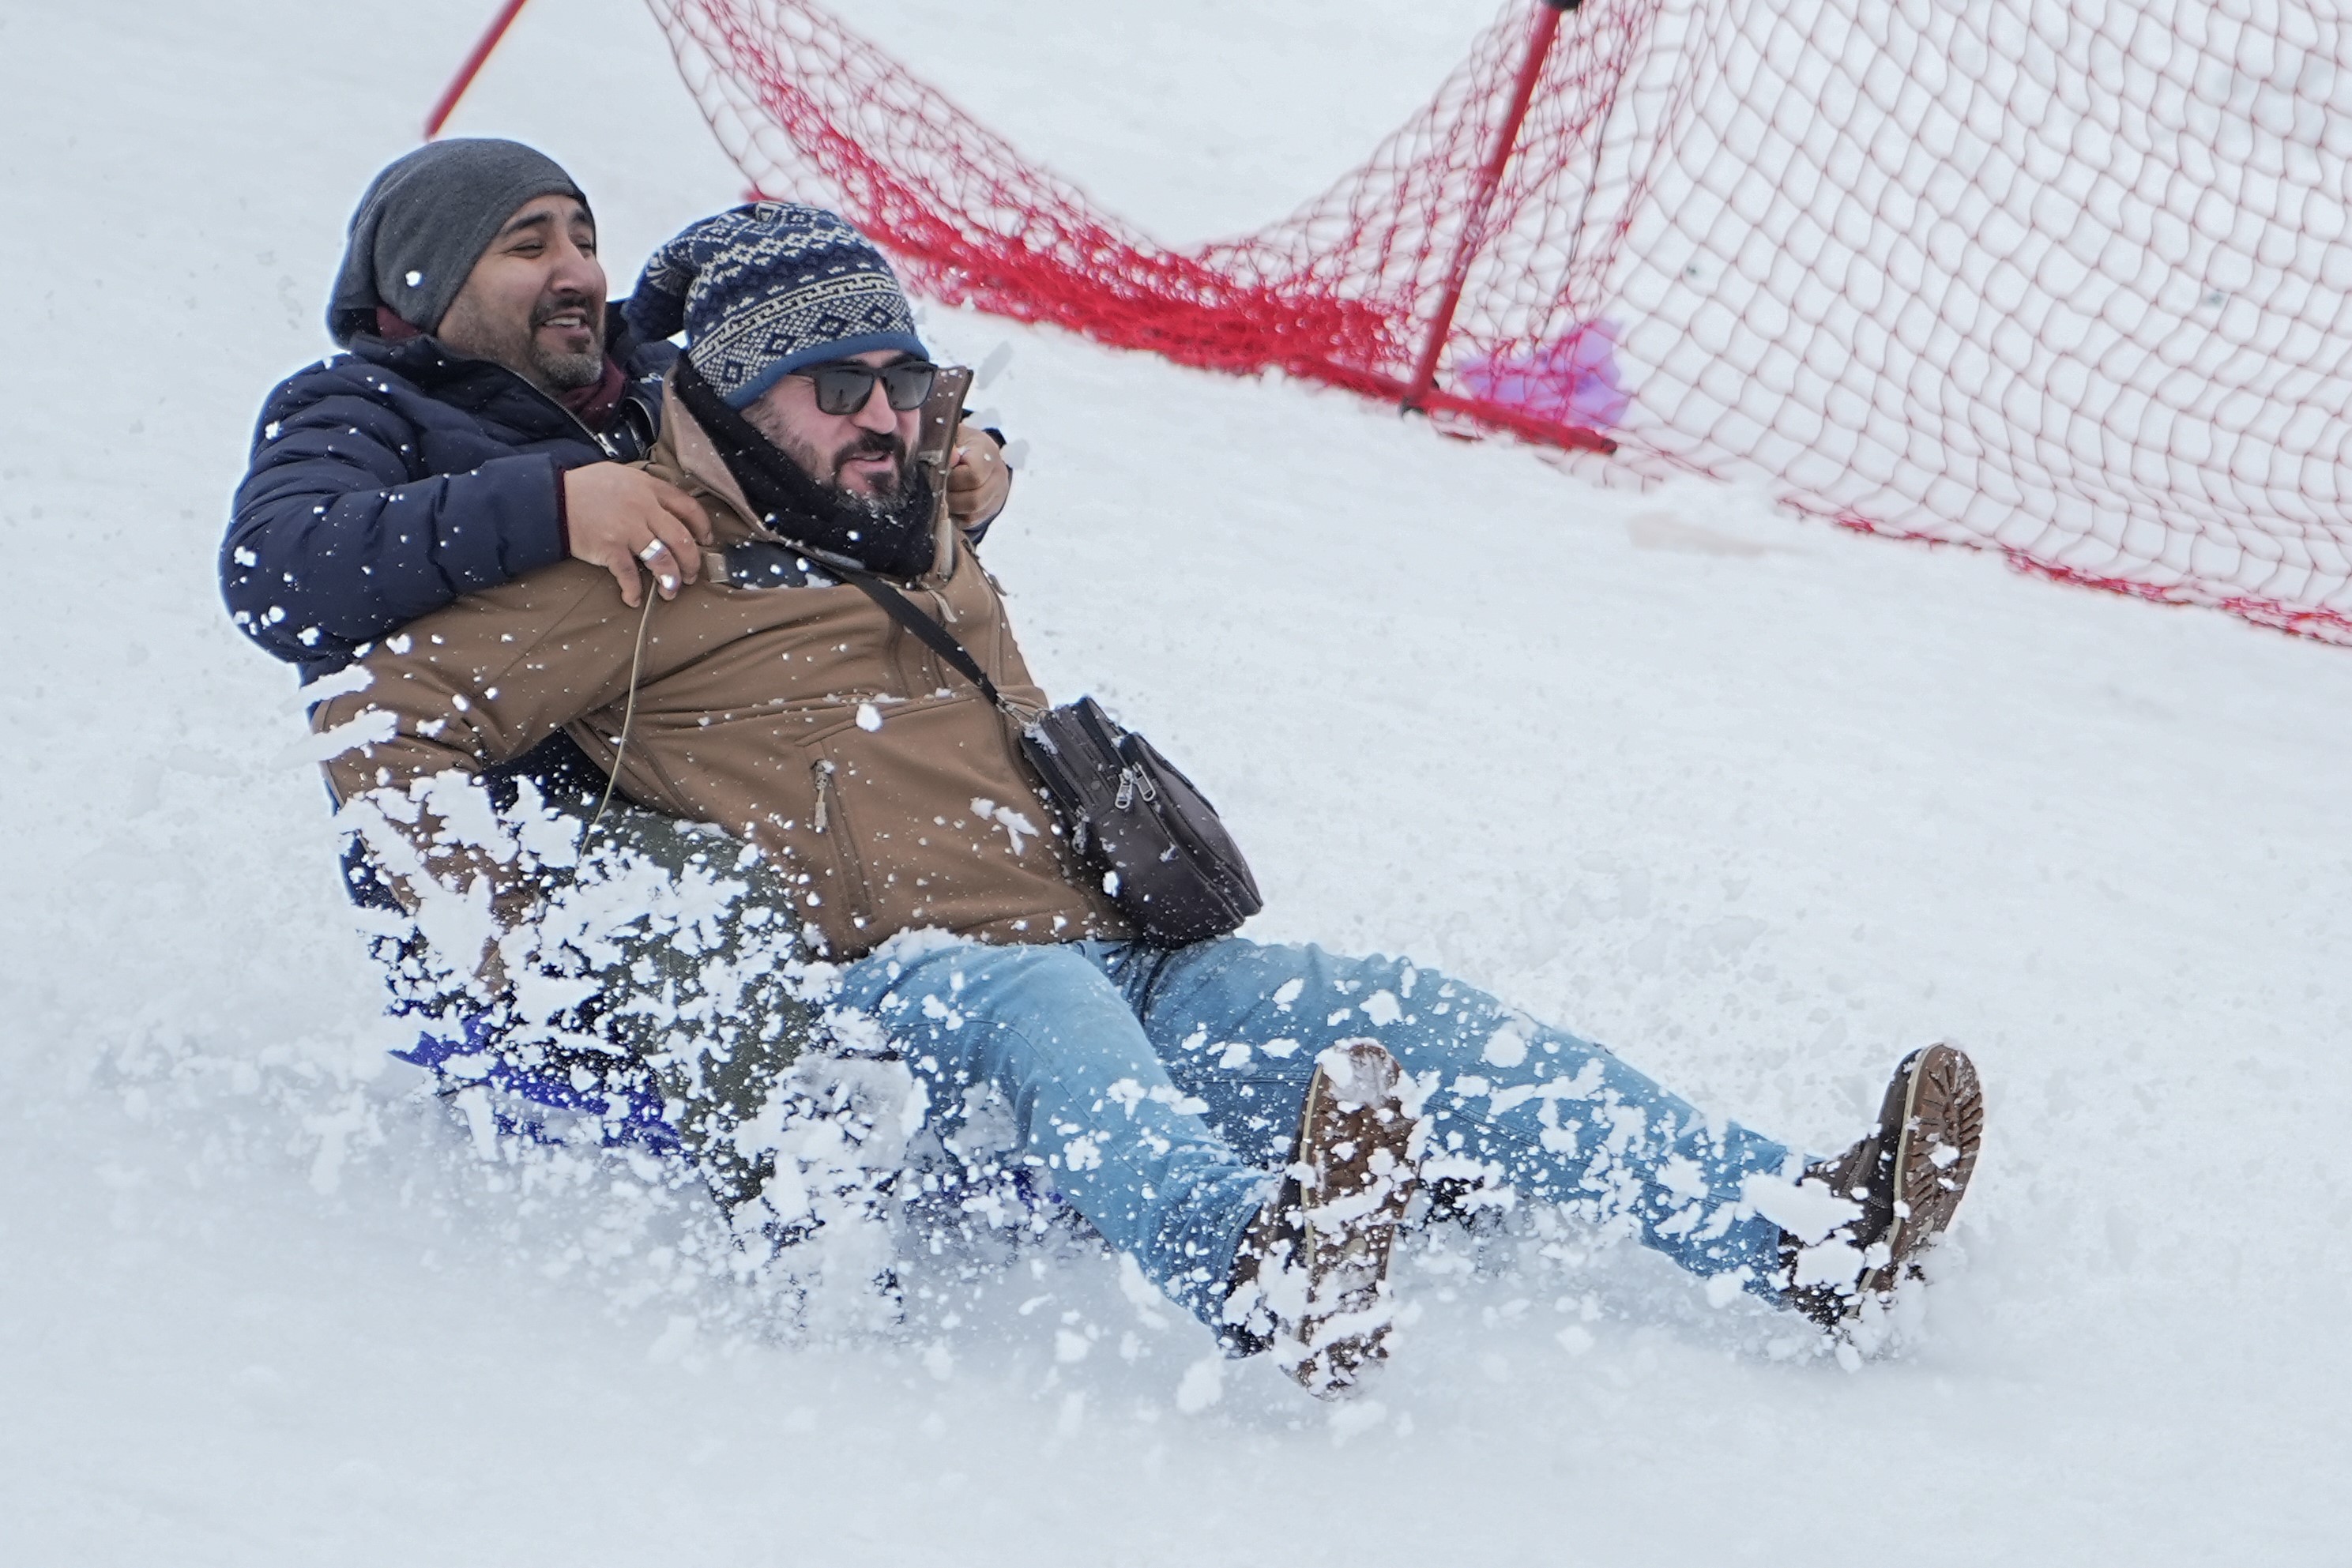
(1759, 803)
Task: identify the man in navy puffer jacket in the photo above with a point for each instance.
(459, 444)
(478, 427)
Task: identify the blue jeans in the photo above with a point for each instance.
(1158, 1090)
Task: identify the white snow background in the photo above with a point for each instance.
(1757, 802)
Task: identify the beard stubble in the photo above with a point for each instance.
(565, 373)
(515, 344)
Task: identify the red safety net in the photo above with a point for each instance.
(2060, 278)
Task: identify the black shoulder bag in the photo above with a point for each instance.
(1168, 863)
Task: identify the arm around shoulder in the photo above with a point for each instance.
(339, 537)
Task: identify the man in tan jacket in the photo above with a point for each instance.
(1247, 1122)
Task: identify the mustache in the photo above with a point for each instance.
(872, 443)
(549, 308)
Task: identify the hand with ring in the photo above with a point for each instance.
(618, 517)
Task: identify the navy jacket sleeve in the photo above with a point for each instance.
(341, 534)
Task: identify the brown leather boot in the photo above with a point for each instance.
(1909, 1177)
(1310, 1281)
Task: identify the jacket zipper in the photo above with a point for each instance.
(602, 444)
(853, 869)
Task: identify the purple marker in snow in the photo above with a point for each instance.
(1572, 379)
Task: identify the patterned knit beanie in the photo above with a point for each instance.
(764, 289)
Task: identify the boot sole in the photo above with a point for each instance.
(1943, 1109)
(1353, 1202)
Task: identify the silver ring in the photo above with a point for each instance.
(651, 550)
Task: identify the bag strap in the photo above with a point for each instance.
(936, 637)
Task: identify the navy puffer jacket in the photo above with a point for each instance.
(387, 482)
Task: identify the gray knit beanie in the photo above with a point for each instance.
(424, 223)
(765, 289)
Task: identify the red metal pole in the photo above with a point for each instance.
(1490, 180)
(472, 67)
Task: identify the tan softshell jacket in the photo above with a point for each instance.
(885, 790)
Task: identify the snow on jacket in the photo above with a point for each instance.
(890, 794)
(387, 482)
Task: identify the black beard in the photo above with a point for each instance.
(871, 444)
(889, 535)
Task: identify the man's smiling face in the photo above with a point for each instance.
(535, 300)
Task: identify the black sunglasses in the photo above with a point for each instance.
(845, 387)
